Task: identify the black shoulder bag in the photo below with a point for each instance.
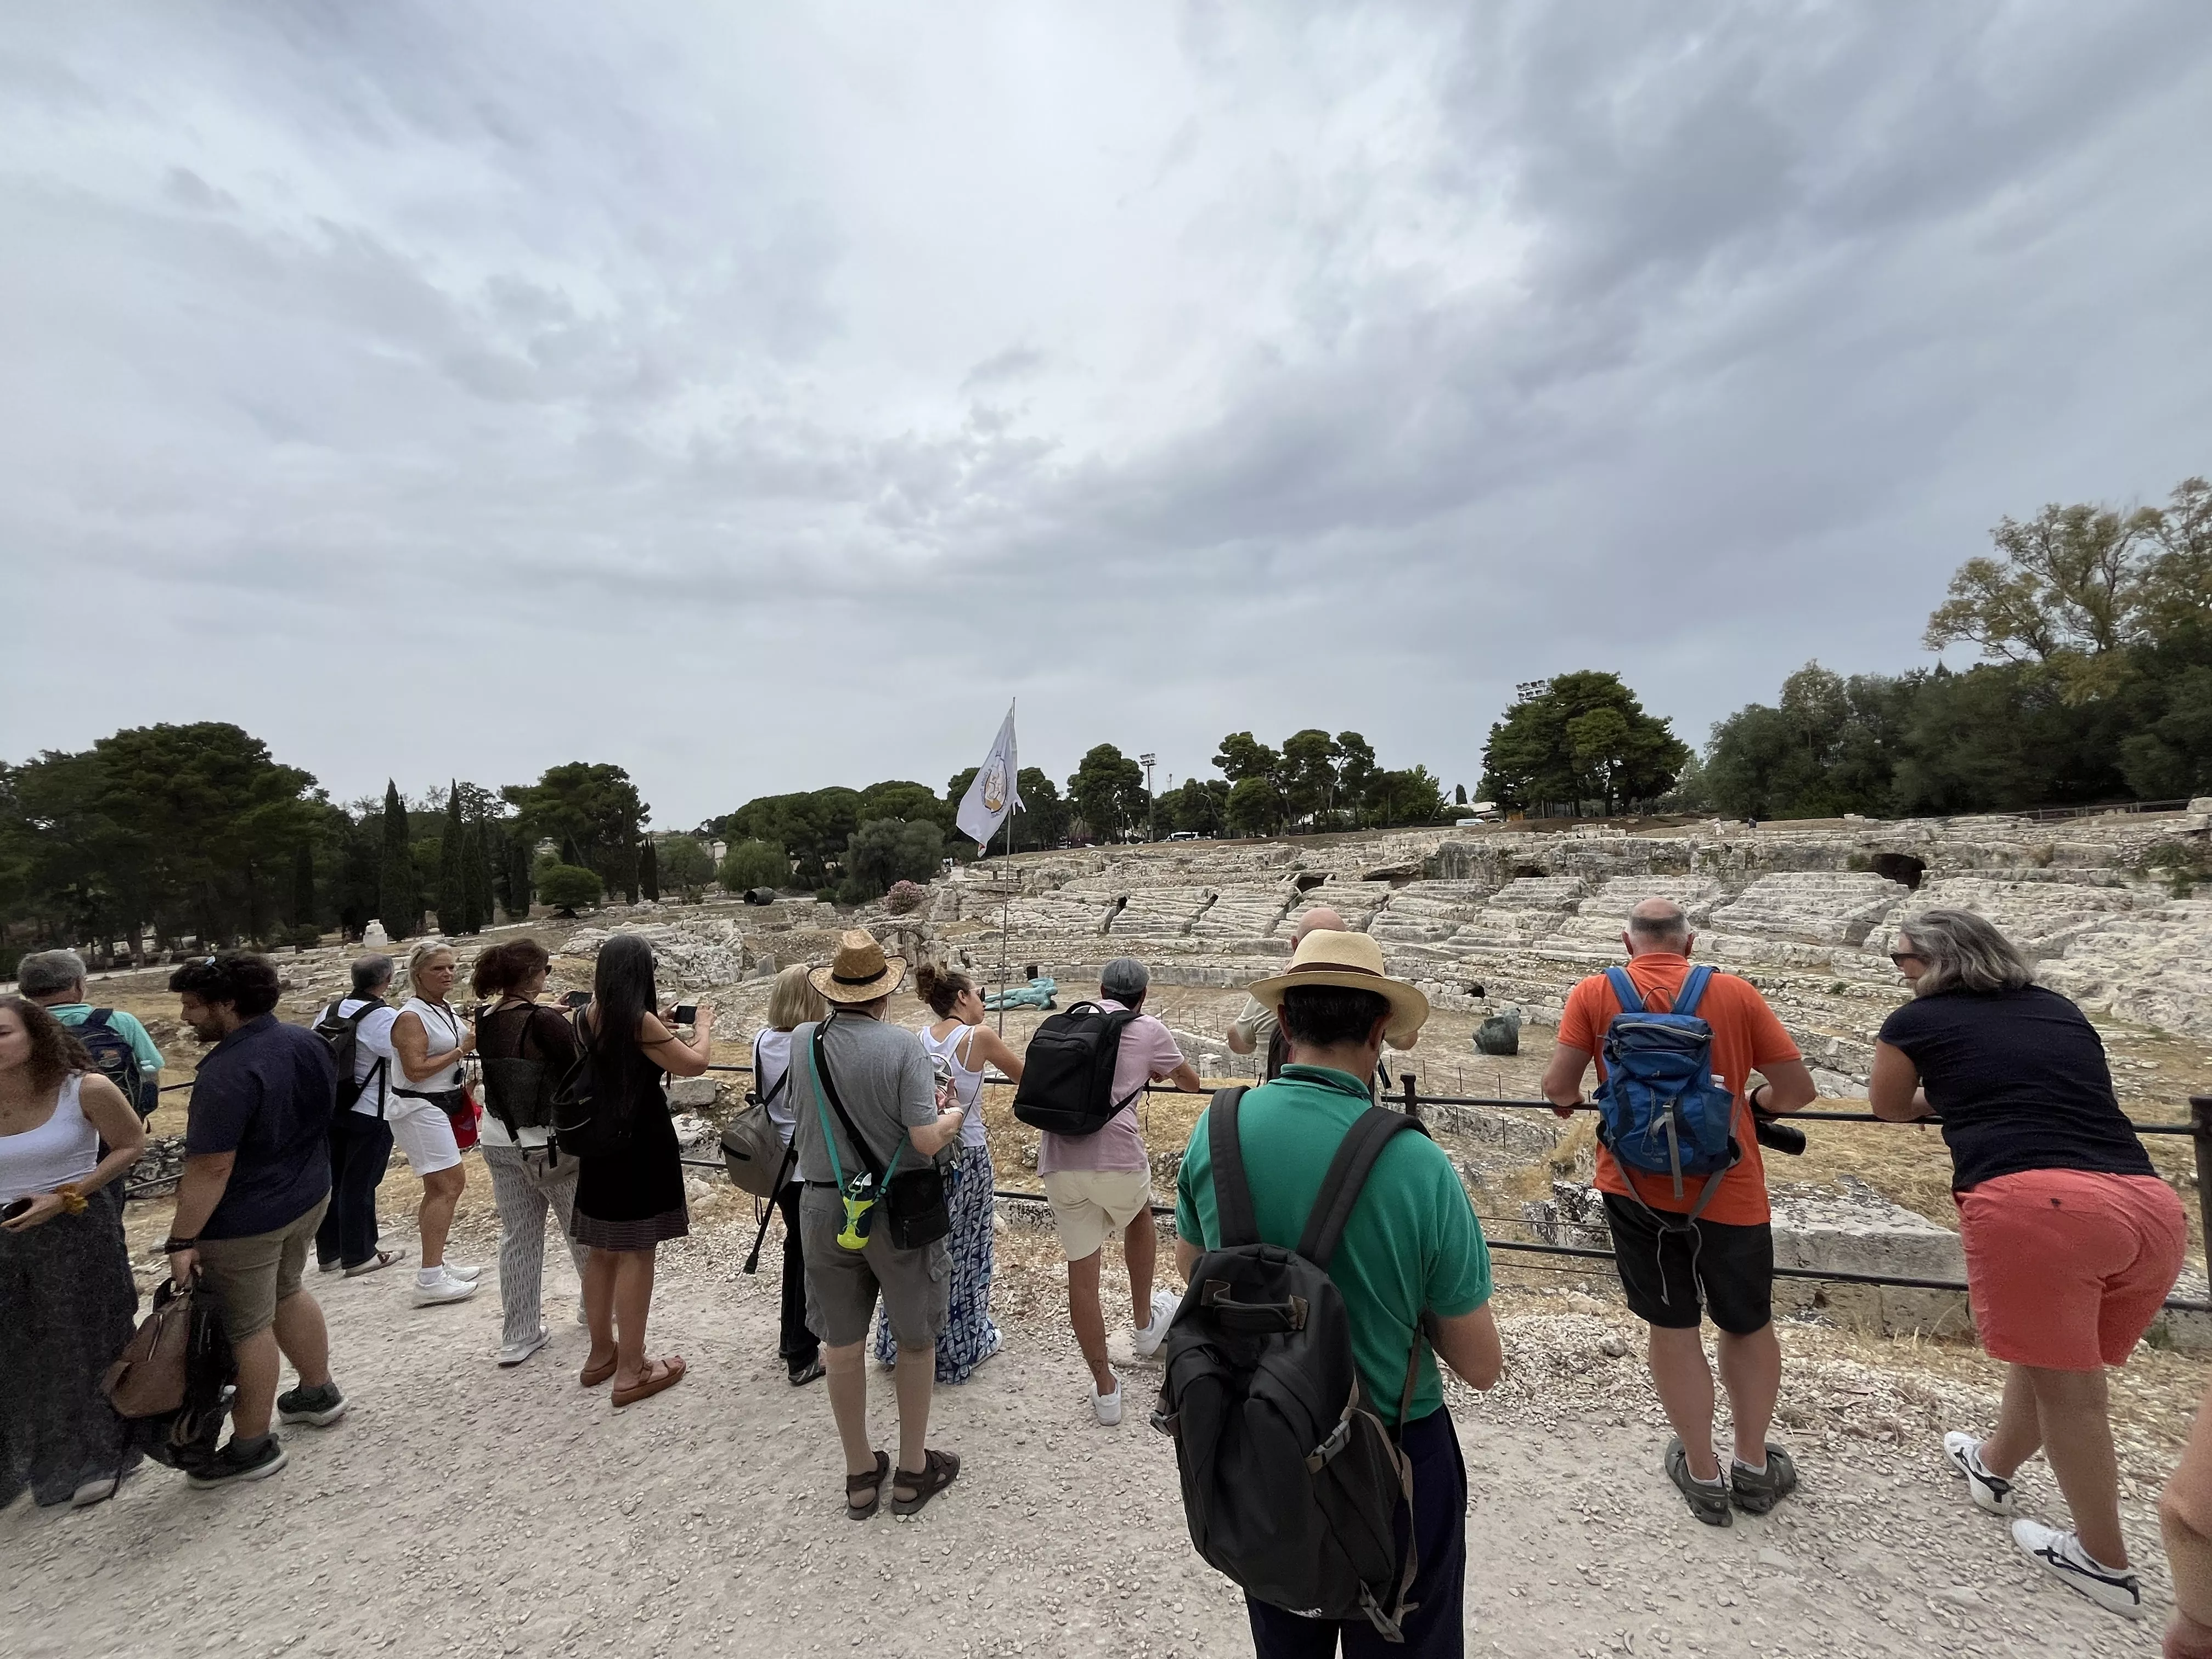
(913, 1199)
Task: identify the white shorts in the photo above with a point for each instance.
(1087, 1205)
(421, 1129)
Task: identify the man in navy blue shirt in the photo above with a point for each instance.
(256, 1183)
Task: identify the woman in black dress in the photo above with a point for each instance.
(628, 1201)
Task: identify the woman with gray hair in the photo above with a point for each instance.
(2072, 1240)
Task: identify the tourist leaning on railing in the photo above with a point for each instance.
(66, 1299)
(2072, 1241)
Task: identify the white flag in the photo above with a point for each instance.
(993, 794)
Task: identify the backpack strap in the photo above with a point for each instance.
(97, 1019)
(1347, 1173)
(1624, 990)
(1693, 989)
(1232, 1195)
(777, 1087)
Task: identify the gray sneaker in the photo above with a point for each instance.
(1755, 1494)
(1709, 1503)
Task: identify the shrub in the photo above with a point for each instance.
(565, 886)
(905, 896)
(754, 864)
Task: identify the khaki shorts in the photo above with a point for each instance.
(254, 1273)
(842, 1284)
(1088, 1205)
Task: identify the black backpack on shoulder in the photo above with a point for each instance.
(341, 1033)
(587, 1120)
(1291, 1482)
(1067, 1074)
(114, 1059)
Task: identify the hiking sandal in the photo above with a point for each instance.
(871, 1485)
(1755, 1494)
(938, 1470)
(1709, 1503)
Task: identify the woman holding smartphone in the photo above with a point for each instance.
(66, 1296)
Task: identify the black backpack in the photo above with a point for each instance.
(1290, 1480)
(114, 1059)
(343, 1033)
(518, 1091)
(586, 1123)
(1067, 1073)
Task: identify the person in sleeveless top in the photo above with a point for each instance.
(628, 1201)
(67, 1301)
(528, 1177)
(432, 1039)
(961, 1039)
(793, 1003)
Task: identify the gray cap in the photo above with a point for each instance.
(1123, 978)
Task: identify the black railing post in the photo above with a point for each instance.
(2200, 1137)
(1412, 1097)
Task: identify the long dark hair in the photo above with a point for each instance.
(55, 1050)
(622, 995)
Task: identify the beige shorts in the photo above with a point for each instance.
(254, 1273)
(1088, 1205)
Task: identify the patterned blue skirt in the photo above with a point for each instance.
(970, 1337)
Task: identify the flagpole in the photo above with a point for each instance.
(1006, 925)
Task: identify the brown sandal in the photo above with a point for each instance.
(938, 1470)
(660, 1374)
(592, 1376)
(872, 1484)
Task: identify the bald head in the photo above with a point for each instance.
(1657, 925)
(1319, 920)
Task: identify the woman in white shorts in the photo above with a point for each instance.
(431, 1040)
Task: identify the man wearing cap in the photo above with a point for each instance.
(1412, 1253)
(1101, 1183)
(880, 1075)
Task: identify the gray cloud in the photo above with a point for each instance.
(761, 403)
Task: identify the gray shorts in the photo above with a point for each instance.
(842, 1284)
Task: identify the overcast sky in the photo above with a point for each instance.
(759, 397)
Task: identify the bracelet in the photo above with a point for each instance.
(72, 1200)
(171, 1246)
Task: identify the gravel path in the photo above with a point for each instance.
(463, 1510)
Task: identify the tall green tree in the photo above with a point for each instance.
(452, 870)
(1108, 792)
(399, 904)
(1310, 777)
(686, 866)
(595, 807)
(1242, 755)
(812, 826)
(304, 908)
(1254, 806)
(1581, 739)
(1198, 805)
(887, 850)
(519, 847)
(648, 870)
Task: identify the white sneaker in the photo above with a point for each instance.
(441, 1289)
(2062, 1555)
(1992, 1493)
(466, 1275)
(1108, 1406)
(513, 1354)
(1146, 1343)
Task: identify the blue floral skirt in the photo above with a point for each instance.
(970, 1337)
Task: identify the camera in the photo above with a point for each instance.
(684, 1014)
(576, 999)
(1777, 1136)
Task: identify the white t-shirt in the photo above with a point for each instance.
(373, 1042)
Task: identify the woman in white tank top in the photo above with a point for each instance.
(432, 1039)
(959, 1037)
(66, 1296)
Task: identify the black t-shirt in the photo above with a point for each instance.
(2020, 1082)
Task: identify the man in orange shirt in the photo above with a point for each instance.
(1673, 1267)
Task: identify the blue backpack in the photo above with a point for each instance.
(114, 1059)
(1660, 1108)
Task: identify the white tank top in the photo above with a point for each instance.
(442, 1026)
(66, 1147)
(966, 1084)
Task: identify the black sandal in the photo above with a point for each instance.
(938, 1470)
(872, 1484)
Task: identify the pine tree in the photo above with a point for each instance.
(451, 903)
(648, 870)
(569, 853)
(398, 897)
(303, 886)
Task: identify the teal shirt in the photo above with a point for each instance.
(125, 1026)
(1413, 1242)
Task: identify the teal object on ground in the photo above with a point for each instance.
(1036, 994)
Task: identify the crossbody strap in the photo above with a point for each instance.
(1347, 1175)
(1232, 1194)
(777, 1088)
(825, 1084)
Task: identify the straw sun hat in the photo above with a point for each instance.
(860, 972)
(1355, 962)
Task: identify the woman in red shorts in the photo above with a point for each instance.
(2072, 1240)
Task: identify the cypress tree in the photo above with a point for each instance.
(303, 886)
(450, 900)
(648, 872)
(518, 851)
(398, 903)
(475, 882)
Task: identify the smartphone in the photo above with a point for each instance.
(21, 1206)
(576, 999)
(686, 1013)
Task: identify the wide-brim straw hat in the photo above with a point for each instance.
(859, 972)
(1355, 962)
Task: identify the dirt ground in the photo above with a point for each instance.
(460, 1508)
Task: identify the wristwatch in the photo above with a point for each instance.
(171, 1246)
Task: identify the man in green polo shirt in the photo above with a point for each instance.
(55, 981)
(1411, 1246)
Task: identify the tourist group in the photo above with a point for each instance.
(1333, 1260)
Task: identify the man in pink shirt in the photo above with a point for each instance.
(1101, 1183)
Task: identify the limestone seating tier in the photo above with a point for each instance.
(1815, 906)
(2040, 916)
(1429, 912)
(1244, 913)
(1151, 911)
